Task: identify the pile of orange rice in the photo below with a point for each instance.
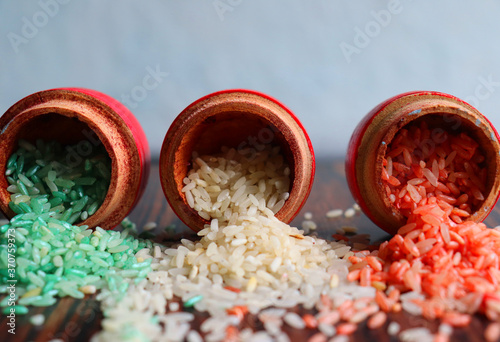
(449, 263)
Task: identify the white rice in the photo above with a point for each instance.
(294, 320)
(309, 225)
(445, 329)
(393, 328)
(339, 338)
(243, 246)
(350, 229)
(194, 336)
(327, 329)
(149, 226)
(248, 181)
(416, 335)
(334, 213)
(37, 319)
(349, 213)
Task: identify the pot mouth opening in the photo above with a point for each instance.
(447, 149)
(81, 144)
(244, 131)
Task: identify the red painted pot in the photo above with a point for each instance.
(376, 130)
(234, 118)
(70, 115)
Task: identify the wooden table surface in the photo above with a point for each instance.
(78, 320)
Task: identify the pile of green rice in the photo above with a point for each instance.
(49, 255)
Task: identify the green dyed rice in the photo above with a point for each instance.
(52, 254)
(192, 301)
(80, 187)
(118, 249)
(18, 309)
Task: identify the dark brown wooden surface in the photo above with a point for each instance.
(78, 320)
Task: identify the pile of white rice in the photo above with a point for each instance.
(234, 185)
(244, 247)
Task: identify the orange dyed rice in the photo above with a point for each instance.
(232, 334)
(457, 260)
(440, 337)
(492, 332)
(377, 320)
(450, 264)
(310, 321)
(232, 289)
(346, 328)
(318, 337)
(239, 311)
(420, 164)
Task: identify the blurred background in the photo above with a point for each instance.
(329, 61)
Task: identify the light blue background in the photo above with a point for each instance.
(291, 50)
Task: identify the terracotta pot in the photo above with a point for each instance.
(376, 130)
(240, 119)
(70, 115)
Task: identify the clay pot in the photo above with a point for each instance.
(70, 115)
(376, 130)
(240, 119)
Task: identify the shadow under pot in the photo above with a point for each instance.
(246, 121)
(87, 132)
(419, 145)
